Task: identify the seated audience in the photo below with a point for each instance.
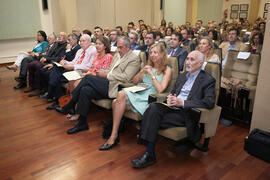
(186, 41)
(107, 32)
(39, 48)
(54, 54)
(72, 47)
(176, 50)
(104, 85)
(149, 41)
(76, 31)
(193, 89)
(98, 31)
(133, 38)
(206, 47)
(213, 36)
(113, 37)
(256, 43)
(87, 31)
(232, 44)
(82, 61)
(157, 74)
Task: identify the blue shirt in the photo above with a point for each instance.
(188, 85)
(40, 47)
(231, 47)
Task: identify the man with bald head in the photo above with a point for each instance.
(194, 88)
(82, 61)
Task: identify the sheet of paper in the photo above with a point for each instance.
(57, 64)
(137, 52)
(135, 89)
(113, 48)
(72, 75)
(243, 55)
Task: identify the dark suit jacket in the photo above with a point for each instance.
(181, 55)
(202, 95)
(56, 53)
(71, 54)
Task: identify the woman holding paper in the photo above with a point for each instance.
(156, 74)
(39, 48)
(101, 61)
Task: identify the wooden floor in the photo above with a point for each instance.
(34, 145)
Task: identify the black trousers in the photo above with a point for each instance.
(90, 87)
(158, 116)
(24, 67)
(55, 82)
(44, 78)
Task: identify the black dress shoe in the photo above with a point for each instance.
(34, 94)
(53, 106)
(184, 147)
(145, 160)
(109, 146)
(28, 90)
(20, 85)
(62, 110)
(78, 128)
(49, 100)
(17, 79)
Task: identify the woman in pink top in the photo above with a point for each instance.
(101, 61)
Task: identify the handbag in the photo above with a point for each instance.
(63, 100)
(258, 144)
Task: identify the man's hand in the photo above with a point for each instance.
(68, 47)
(62, 62)
(172, 100)
(101, 73)
(43, 60)
(49, 66)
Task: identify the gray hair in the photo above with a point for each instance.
(86, 36)
(136, 34)
(73, 36)
(53, 36)
(125, 39)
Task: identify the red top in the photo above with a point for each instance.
(100, 63)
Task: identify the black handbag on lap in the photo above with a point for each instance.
(258, 144)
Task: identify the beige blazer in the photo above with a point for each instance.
(123, 72)
(239, 46)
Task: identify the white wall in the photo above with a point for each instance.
(175, 11)
(209, 10)
(261, 8)
(46, 18)
(227, 5)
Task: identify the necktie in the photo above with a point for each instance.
(172, 53)
(81, 58)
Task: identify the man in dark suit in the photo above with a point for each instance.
(176, 50)
(194, 88)
(149, 41)
(72, 47)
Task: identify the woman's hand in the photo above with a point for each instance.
(148, 69)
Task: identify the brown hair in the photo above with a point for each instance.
(106, 43)
(163, 57)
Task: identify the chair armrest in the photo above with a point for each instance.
(157, 97)
(210, 118)
(125, 85)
